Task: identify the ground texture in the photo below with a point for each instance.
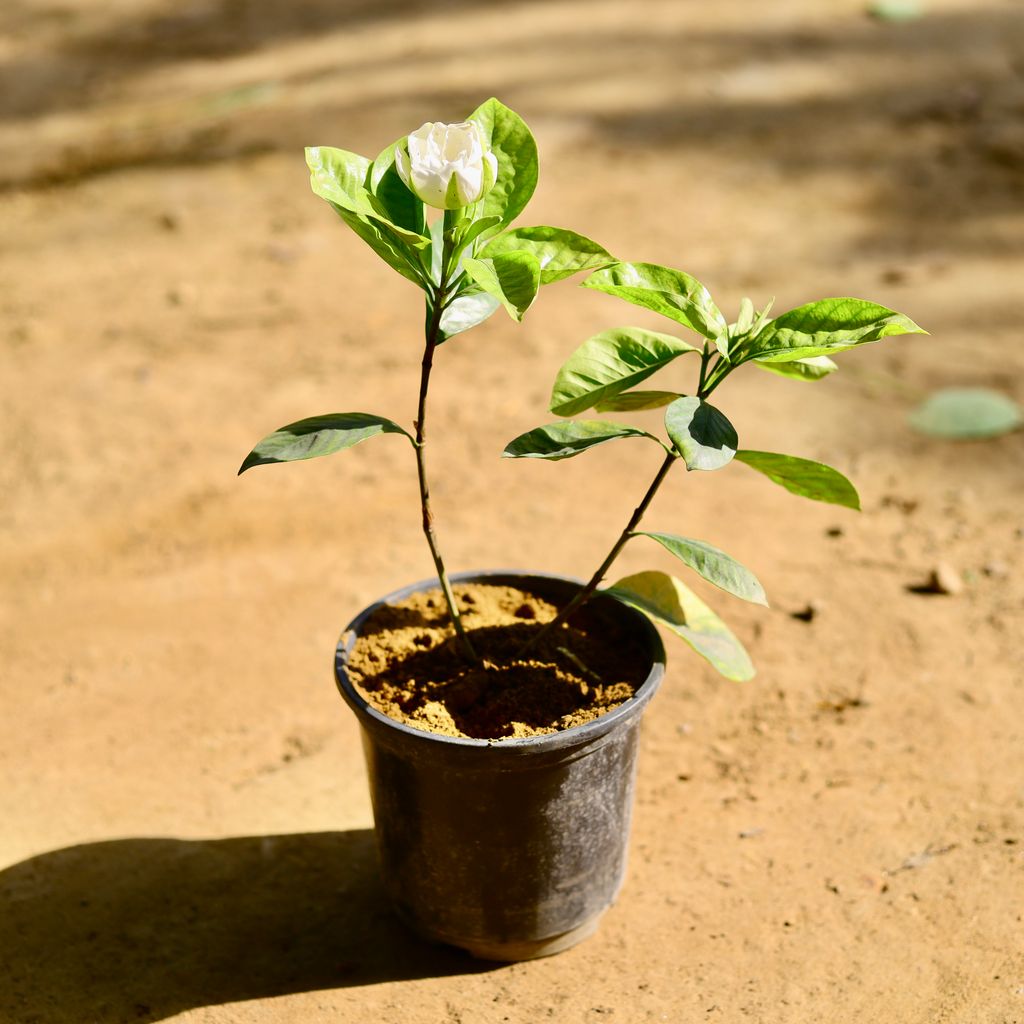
(185, 820)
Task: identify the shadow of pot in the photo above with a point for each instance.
(510, 849)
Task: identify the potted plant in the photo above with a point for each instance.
(500, 709)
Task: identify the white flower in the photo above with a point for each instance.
(447, 165)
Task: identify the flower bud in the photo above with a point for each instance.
(447, 165)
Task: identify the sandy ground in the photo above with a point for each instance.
(185, 822)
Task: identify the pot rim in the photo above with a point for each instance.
(575, 736)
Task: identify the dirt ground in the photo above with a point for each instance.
(185, 825)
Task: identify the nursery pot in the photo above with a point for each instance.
(510, 849)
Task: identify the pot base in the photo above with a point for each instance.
(511, 952)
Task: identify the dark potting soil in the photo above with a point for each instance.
(407, 665)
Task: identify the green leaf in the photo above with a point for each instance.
(396, 200)
(516, 152)
(610, 363)
(965, 413)
(564, 440)
(896, 10)
(824, 327)
(470, 308)
(318, 435)
(669, 601)
(340, 177)
(745, 321)
(634, 401)
(670, 292)
(474, 230)
(809, 479)
(560, 253)
(701, 434)
(390, 250)
(714, 565)
(812, 368)
(513, 278)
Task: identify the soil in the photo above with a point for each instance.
(407, 664)
(186, 826)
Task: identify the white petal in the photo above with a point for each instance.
(470, 183)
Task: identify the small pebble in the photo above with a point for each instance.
(996, 568)
(181, 294)
(943, 579)
(894, 275)
(810, 612)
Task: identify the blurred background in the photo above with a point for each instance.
(846, 830)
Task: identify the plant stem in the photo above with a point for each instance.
(705, 358)
(433, 331)
(634, 520)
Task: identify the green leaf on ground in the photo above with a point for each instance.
(561, 253)
(896, 10)
(670, 292)
(714, 565)
(701, 434)
(318, 435)
(967, 413)
(513, 278)
(809, 479)
(610, 363)
(563, 440)
(669, 601)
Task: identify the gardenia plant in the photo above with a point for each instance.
(437, 206)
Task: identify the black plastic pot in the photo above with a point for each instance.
(511, 849)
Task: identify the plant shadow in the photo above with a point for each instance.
(144, 929)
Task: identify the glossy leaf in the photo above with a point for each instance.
(670, 292)
(468, 310)
(560, 253)
(670, 602)
(516, 152)
(701, 434)
(812, 368)
(513, 278)
(318, 435)
(634, 401)
(474, 230)
(340, 177)
(824, 327)
(714, 565)
(745, 321)
(965, 413)
(809, 479)
(564, 440)
(389, 249)
(610, 363)
(396, 200)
